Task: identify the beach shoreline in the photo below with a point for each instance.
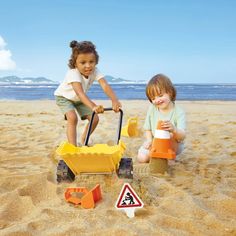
(196, 197)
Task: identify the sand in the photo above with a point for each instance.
(196, 197)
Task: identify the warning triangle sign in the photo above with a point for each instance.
(128, 198)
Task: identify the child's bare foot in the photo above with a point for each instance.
(81, 143)
(90, 142)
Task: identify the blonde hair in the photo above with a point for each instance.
(160, 84)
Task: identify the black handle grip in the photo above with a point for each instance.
(91, 122)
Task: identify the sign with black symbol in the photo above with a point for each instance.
(128, 200)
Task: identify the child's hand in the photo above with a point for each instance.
(147, 144)
(98, 109)
(167, 125)
(116, 105)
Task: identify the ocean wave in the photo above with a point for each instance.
(28, 86)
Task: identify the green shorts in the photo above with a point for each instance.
(68, 105)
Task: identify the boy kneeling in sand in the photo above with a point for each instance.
(162, 94)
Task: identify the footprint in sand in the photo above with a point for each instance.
(15, 207)
(233, 154)
(141, 170)
(231, 123)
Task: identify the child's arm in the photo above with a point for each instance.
(178, 134)
(85, 99)
(147, 143)
(116, 105)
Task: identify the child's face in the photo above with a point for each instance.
(86, 63)
(161, 101)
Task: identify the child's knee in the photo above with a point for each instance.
(72, 118)
(143, 155)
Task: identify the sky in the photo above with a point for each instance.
(189, 41)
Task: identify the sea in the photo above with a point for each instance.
(128, 91)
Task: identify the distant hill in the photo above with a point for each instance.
(26, 80)
(42, 80)
(111, 79)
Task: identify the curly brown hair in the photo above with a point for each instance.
(160, 84)
(79, 48)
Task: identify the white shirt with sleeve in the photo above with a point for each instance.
(66, 90)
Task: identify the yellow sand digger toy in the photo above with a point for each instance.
(100, 158)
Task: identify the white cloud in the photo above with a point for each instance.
(6, 63)
(2, 43)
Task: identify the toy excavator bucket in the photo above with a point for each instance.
(131, 128)
(100, 158)
(89, 198)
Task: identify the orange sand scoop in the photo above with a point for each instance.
(89, 198)
(161, 145)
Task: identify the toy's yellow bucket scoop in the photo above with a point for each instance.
(131, 128)
(98, 158)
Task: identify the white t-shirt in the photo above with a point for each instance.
(66, 90)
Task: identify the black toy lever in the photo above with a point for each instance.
(91, 122)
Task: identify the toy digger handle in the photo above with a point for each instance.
(91, 122)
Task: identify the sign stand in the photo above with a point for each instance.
(128, 200)
(129, 212)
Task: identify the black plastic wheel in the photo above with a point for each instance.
(125, 169)
(64, 173)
